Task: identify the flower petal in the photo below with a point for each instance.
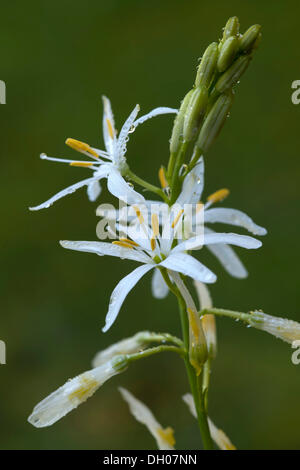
(229, 260)
(122, 190)
(159, 287)
(93, 190)
(123, 137)
(213, 238)
(104, 248)
(192, 186)
(153, 113)
(189, 266)
(233, 217)
(108, 117)
(142, 414)
(120, 293)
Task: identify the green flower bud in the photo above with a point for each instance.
(227, 53)
(214, 122)
(194, 113)
(207, 66)
(249, 38)
(178, 124)
(232, 75)
(232, 28)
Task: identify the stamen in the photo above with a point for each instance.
(138, 214)
(83, 164)
(199, 207)
(153, 243)
(167, 435)
(155, 225)
(218, 196)
(131, 242)
(123, 244)
(110, 129)
(162, 177)
(175, 221)
(81, 147)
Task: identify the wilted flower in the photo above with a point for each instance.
(208, 321)
(287, 330)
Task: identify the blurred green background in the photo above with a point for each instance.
(57, 58)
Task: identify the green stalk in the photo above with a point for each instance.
(150, 187)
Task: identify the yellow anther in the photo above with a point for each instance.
(167, 435)
(175, 221)
(84, 164)
(81, 147)
(153, 243)
(139, 214)
(162, 177)
(110, 129)
(131, 242)
(218, 196)
(123, 244)
(155, 225)
(199, 207)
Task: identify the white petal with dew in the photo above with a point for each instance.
(192, 186)
(127, 126)
(159, 287)
(93, 190)
(233, 217)
(189, 266)
(143, 415)
(104, 248)
(282, 328)
(121, 291)
(212, 238)
(121, 189)
(70, 395)
(108, 115)
(153, 113)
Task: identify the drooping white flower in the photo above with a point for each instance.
(220, 438)
(282, 328)
(164, 437)
(74, 392)
(109, 163)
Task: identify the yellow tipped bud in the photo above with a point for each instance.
(123, 244)
(162, 177)
(155, 225)
(83, 164)
(218, 196)
(81, 147)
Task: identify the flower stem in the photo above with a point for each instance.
(150, 187)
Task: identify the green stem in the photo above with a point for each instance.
(154, 350)
(246, 317)
(150, 187)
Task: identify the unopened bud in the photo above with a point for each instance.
(178, 124)
(207, 66)
(194, 113)
(232, 28)
(232, 75)
(214, 122)
(227, 53)
(287, 330)
(198, 348)
(249, 38)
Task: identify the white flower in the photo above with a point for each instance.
(220, 438)
(71, 394)
(109, 163)
(287, 330)
(154, 249)
(217, 243)
(164, 437)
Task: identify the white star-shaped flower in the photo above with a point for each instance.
(109, 163)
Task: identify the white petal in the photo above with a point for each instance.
(229, 260)
(93, 190)
(123, 137)
(66, 191)
(233, 217)
(108, 115)
(192, 186)
(143, 415)
(205, 300)
(207, 238)
(120, 293)
(104, 248)
(218, 435)
(159, 287)
(122, 190)
(153, 113)
(70, 395)
(189, 266)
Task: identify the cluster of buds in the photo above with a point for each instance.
(206, 106)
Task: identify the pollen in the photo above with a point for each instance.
(167, 435)
(176, 220)
(123, 244)
(83, 164)
(155, 225)
(139, 214)
(85, 389)
(153, 243)
(218, 196)
(162, 178)
(131, 242)
(81, 146)
(110, 128)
